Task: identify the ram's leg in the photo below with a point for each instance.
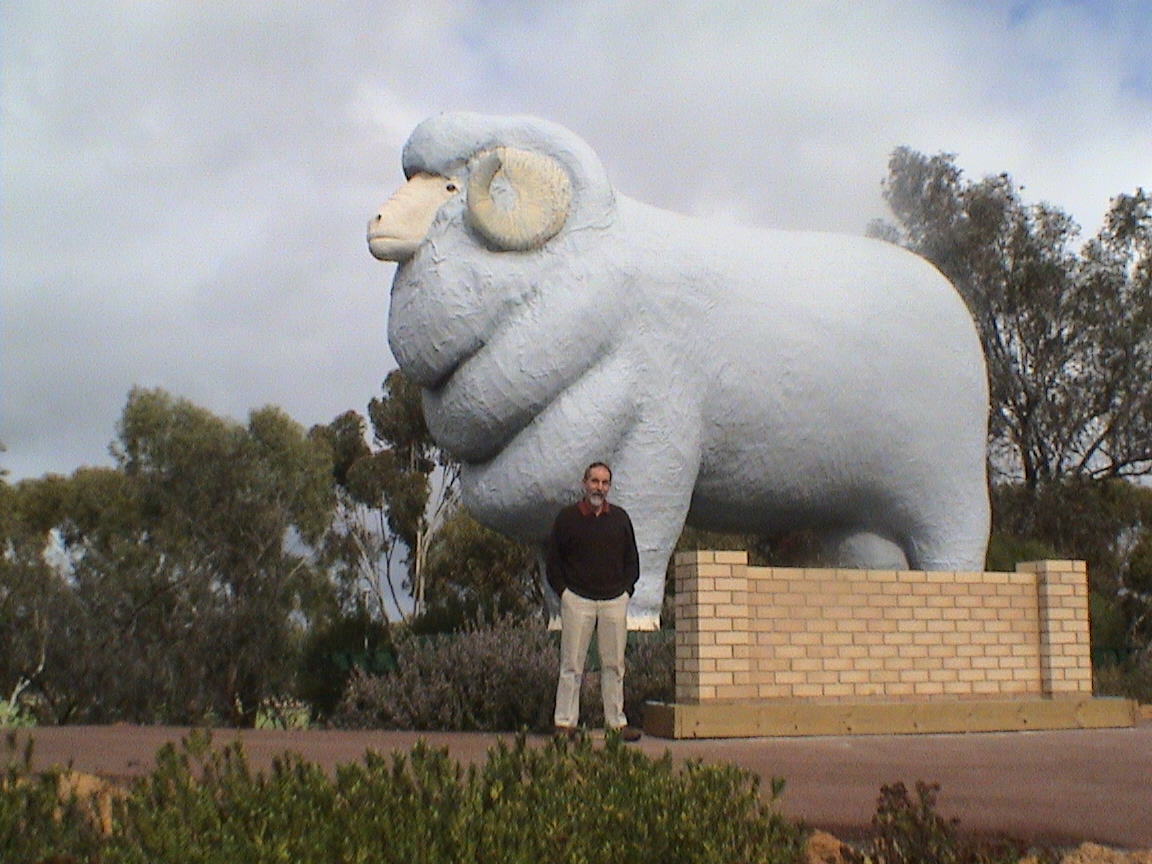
(957, 539)
(654, 474)
(862, 550)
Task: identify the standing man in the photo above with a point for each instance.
(593, 566)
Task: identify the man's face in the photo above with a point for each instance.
(596, 486)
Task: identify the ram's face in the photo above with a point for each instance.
(477, 316)
(398, 228)
(517, 200)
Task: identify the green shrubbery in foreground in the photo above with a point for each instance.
(557, 803)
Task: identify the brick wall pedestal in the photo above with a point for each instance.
(981, 650)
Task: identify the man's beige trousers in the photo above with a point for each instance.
(578, 618)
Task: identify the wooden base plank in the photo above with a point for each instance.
(754, 719)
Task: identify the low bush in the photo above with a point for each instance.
(909, 830)
(1131, 679)
(35, 824)
(495, 677)
(561, 802)
(498, 677)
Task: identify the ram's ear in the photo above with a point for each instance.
(517, 199)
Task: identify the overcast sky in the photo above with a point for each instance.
(186, 183)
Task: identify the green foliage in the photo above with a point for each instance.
(388, 495)
(34, 823)
(473, 573)
(1130, 679)
(1107, 523)
(499, 676)
(332, 651)
(1067, 334)
(182, 574)
(1005, 552)
(1107, 624)
(559, 802)
(14, 716)
(907, 830)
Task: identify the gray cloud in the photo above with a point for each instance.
(185, 185)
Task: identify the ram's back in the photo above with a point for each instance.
(843, 368)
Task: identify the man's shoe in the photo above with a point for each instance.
(566, 733)
(630, 733)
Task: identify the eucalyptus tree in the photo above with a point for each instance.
(181, 579)
(473, 573)
(1066, 328)
(404, 484)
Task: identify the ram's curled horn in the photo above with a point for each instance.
(543, 194)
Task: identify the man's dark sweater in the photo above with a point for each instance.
(593, 555)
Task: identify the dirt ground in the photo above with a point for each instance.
(1053, 788)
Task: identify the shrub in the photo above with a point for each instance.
(332, 652)
(35, 824)
(910, 831)
(499, 677)
(496, 677)
(560, 803)
(1131, 679)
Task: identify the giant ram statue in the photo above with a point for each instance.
(743, 380)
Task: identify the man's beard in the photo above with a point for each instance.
(596, 500)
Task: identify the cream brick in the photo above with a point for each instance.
(929, 688)
(730, 583)
(740, 691)
(715, 652)
(940, 576)
(774, 691)
(877, 576)
(769, 665)
(771, 638)
(731, 610)
(691, 557)
(715, 571)
(971, 675)
(735, 637)
(730, 556)
(808, 690)
(700, 667)
(715, 679)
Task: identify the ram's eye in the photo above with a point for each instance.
(451, 187)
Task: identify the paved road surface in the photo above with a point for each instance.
(1060, 787)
